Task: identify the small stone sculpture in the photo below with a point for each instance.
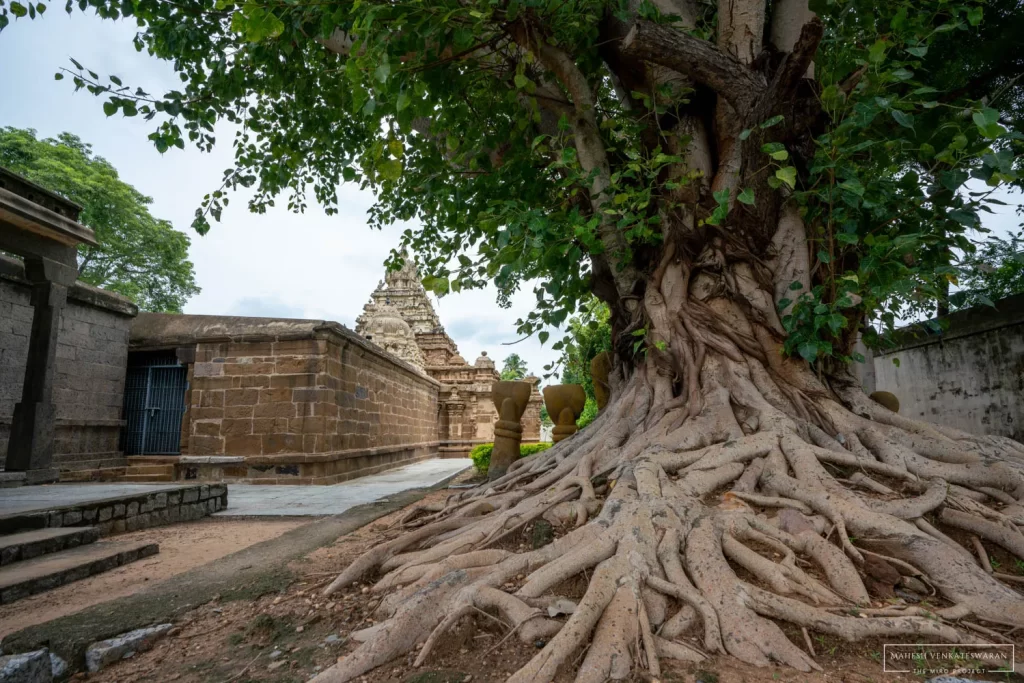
(510, 398)
(600, 368)
(565, 403)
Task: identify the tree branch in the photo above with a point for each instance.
(794, 66)
(696, 58)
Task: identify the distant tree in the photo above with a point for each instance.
(995, 271)
(514, 368)
(588, 334)
(139, 256)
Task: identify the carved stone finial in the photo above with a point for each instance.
(600, 368)
(565, 404)
(511, 399)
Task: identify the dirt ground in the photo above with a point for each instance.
(182, 547)
(290, 636)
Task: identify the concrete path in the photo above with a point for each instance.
(27, 498)
(316, 501)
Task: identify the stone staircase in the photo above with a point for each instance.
(37, 560)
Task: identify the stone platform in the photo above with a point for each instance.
(282, 500)
(112, 508)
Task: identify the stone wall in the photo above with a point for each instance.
(91, 356)
(970, 376)
(292, 401)
(126, 513)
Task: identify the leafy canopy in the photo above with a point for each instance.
(995, 271)
(142, 257)
(447, 111)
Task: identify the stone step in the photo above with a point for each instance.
(148, 477)
(150, 469)
(39, 574)
(152, 459)
(26, 545)
(97, 474)
(11, 480)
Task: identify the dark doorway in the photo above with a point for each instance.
(154, 402)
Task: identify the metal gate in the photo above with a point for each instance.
(154, 402)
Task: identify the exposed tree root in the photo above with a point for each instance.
(700, 535)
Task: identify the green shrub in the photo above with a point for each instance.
(481, 454)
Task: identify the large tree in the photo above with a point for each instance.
(139, 256)
(514, 368)
(743, 183)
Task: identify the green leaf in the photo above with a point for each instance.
(903, 118)
(876, 53)
(256, 24)
(18, 9)
(744, 134)
(965, 218)
(115, 80)
(787, 175)
(795, 285)
(809, 351)
(403, 101)
(382, 72)
(773, 121)
(919, 51)
(746, 196)
(109, 108)
(543, 336)
(390, 169)
(58, 76)
(776, 150)
(974, 15)
(896, 362)
(853, 185)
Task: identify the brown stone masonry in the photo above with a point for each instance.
(292, 401)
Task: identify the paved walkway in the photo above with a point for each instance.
(47, 497)
(274, 501)
(246, 500)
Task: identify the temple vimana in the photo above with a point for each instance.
(400, 319)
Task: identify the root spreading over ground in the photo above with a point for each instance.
(751, 504)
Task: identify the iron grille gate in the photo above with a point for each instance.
(154, 402)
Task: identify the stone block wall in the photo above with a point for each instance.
(970, 376)
(292, 401)
(92, 351)
(126, 513)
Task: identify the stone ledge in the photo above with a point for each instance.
(296, 458)
(210, 459)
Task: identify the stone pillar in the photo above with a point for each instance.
(455, 408)
(510, 398)
(32, 428)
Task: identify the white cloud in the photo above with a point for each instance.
(280, 264)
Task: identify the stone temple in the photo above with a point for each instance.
(401, 319)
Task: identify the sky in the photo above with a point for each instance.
(279, 263)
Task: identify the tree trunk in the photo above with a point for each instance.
(720, 469)
(715, 454)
